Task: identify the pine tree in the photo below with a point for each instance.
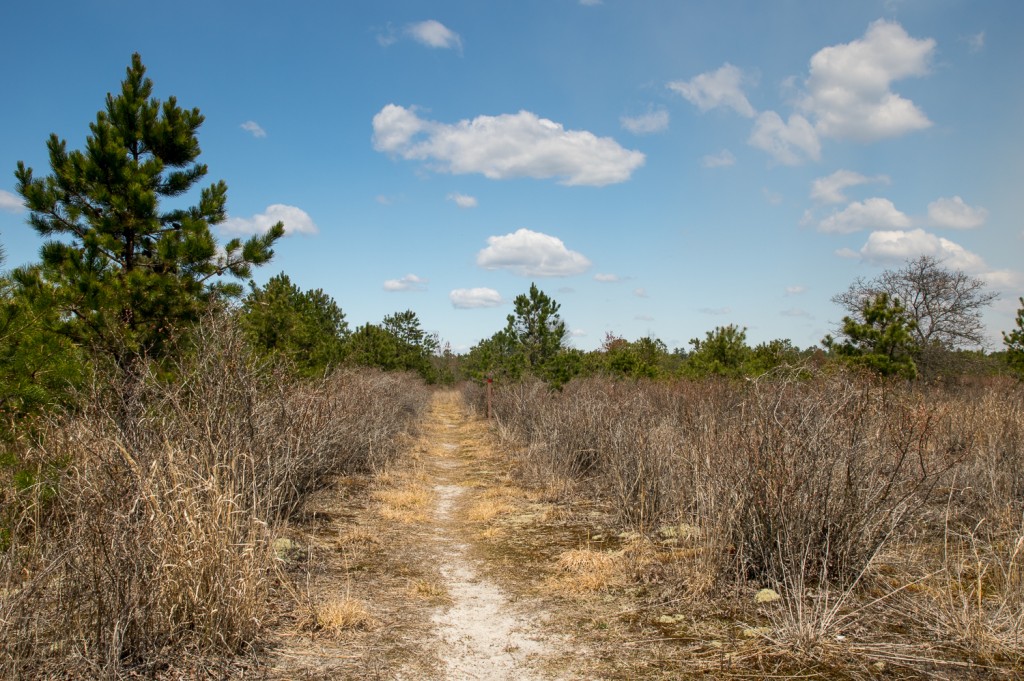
(1014, 342)
(880, 339)
(126, 272)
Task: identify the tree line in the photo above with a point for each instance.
(124, 273)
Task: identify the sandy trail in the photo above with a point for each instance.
(423, 550)
(481, 634)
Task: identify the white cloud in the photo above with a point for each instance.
(409, 282)
(471, 298)
(715, 310)
(10, 203)
(722, 159)
(955, 214)
(771, 197)
(462, 200)
(885, 247)
(254, 129)
(531, 254)
(296, 221)
(1005, 280)
(790, 142)
(870, 214)
(848, 90)
(716, 89)
(829, 189)
(505, 146)
(643, 318)
(795, 290)
(434, 34)
(577, 333)
(640, 292)
(607, 278)
(645, 124)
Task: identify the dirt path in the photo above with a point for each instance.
(419, 573)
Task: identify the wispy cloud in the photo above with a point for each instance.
(715, 310)
(722, 88)
(646, 124)
(462, 200)
(607, 278)
(472, 298)
(640, 292)
(976, 41)
(409, 282)
(531, 254)
(829, 189)
(254, 129)
(296, 221)
(795, 290)
(504, 146)
(722, 159)
(10, 203)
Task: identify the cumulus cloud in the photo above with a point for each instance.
(888, 247)
(849, 91)
(795, 290)
(10, 203)
(296, 221)
(462, 200)
(607, 278)
(531, 254)
(955, 214)
(863, 215)
(829, 189)
(505, 146)
(789, 142)
(409, 282)
(722, 159)
(434, 34)
(471, 298)
(645, 124)
(254, 129)
(714, 89)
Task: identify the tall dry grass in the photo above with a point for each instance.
(897, 505)
(150, 540)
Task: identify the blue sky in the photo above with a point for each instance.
(659, 167)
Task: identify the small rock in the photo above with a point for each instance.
(767, 596)
(666, 619)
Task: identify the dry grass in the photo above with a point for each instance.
(339, 614)
(407, 504)
(888, 516)
(147, 540)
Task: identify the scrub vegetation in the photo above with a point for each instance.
(854, 510)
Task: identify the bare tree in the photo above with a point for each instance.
(944, 304)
